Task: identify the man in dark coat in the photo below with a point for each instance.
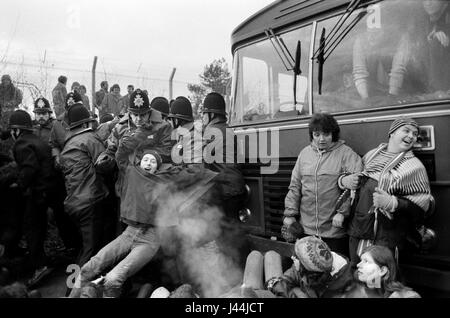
(66, 228)
(219, 156)
(59, 94)
(60, 128)
(10, 99)
(43, 121)
(36, 181)
(85, 188)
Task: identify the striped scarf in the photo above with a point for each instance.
(399, 174)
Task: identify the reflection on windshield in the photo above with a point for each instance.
(399, 53)
(392, 57)
(264, 88)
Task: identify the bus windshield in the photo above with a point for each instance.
(398, 54)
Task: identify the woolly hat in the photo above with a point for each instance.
(155, 154)
(314, 254)
(402, 121)
(42, 105)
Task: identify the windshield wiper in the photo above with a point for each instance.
(337, 27)
(297, 70)
(281, 49)
(335, 37)
(321, 60)
(332, 46)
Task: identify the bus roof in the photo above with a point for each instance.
(279, 14)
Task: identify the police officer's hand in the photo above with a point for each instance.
(338, 220)
(104, 163)
(57, 163)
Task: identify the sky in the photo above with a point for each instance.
(137, 42)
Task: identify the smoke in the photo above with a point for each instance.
(191, 206)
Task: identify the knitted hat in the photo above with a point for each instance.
(42, 106)
(402, 121)
(155, 154)
(314, 254)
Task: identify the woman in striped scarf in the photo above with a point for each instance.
(394, 192)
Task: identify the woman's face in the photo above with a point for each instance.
(149, 163)
(322, 140)
(433, 7)
(403, 138)
(369, 272)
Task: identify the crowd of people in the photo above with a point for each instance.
(146, 180)
(108, 182)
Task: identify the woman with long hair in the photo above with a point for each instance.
(377, 276)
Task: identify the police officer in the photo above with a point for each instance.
(187, 134)
(217, 135)
(43, 125)
(36, 181)
(85, 188)
(141, 123)
(60, 127)
(219, 155)
(43, 122)
(161, 104)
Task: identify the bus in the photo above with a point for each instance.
(365, 62)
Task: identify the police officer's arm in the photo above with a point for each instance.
(165, 142)
(53, 141)
(129, 142)
(28, 163)
(95, 147)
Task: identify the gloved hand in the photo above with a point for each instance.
(290, 231)
(351, 181)
(383, 200)
(57, 163)
(104, 163)
(338, 220)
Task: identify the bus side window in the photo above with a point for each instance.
(422, 61)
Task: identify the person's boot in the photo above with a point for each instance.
(112, 292)
(39, 275)
(91, 290)
(5, 276)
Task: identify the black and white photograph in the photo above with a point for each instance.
(231, 154)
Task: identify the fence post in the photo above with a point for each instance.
(94, 102)
(171, 83)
